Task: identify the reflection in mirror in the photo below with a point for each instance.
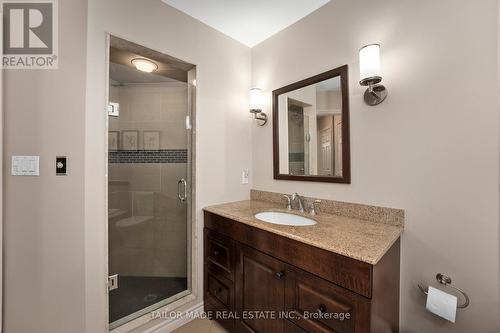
(314, 130)
(310, 129)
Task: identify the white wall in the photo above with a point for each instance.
(223, 136)
(430, 148)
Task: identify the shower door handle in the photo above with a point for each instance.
(182, 190)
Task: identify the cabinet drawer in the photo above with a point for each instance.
(219, 253)
(321, 306)
(219, 299)
(214, 308)
(219, 289)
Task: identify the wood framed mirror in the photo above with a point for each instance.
(311, 129)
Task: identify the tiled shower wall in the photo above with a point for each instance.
(143, 184)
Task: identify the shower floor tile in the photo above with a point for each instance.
(137, 292)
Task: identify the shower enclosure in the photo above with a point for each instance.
(151, 97)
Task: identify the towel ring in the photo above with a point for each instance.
(446, 281)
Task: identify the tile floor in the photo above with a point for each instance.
(201, 326)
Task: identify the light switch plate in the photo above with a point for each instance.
(25, 165)
(61, 166)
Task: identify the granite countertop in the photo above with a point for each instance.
(359, 239)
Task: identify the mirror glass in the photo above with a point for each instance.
(311, 121)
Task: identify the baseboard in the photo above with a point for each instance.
(168, 326)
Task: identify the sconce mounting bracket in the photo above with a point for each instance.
(260, 116)
(375, 94)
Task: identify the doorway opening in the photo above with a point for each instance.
(151, 102)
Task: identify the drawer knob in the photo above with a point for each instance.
(280, 275)
(217, 291)
(217, 253)
(322, 309)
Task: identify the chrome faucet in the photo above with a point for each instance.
(313, 209)
(288, 201)
(301, 201)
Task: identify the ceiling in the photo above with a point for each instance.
(248, 21)
(123, 74)
(122, 52)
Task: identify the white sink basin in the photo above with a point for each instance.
(284, 219)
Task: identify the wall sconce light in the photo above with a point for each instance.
(256, 104)
(370, 75)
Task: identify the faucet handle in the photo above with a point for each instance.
(288, 201)
(314, 209)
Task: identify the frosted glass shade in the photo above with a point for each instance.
(144, 65)
(256, 99)
(369, 64)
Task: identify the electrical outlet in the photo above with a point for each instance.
(245, 176)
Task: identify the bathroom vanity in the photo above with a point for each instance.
(340, 275)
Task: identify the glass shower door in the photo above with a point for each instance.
(149, 201)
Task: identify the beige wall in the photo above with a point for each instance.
(44, 269)
(429, 148)
(223, 141)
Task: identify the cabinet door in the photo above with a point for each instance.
(260, 292)
(319, 306)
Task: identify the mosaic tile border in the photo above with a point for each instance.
(148, 156)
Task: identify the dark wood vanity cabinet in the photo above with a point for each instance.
(260, 282)
(260, 286)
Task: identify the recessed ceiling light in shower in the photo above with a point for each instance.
(144, 65)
